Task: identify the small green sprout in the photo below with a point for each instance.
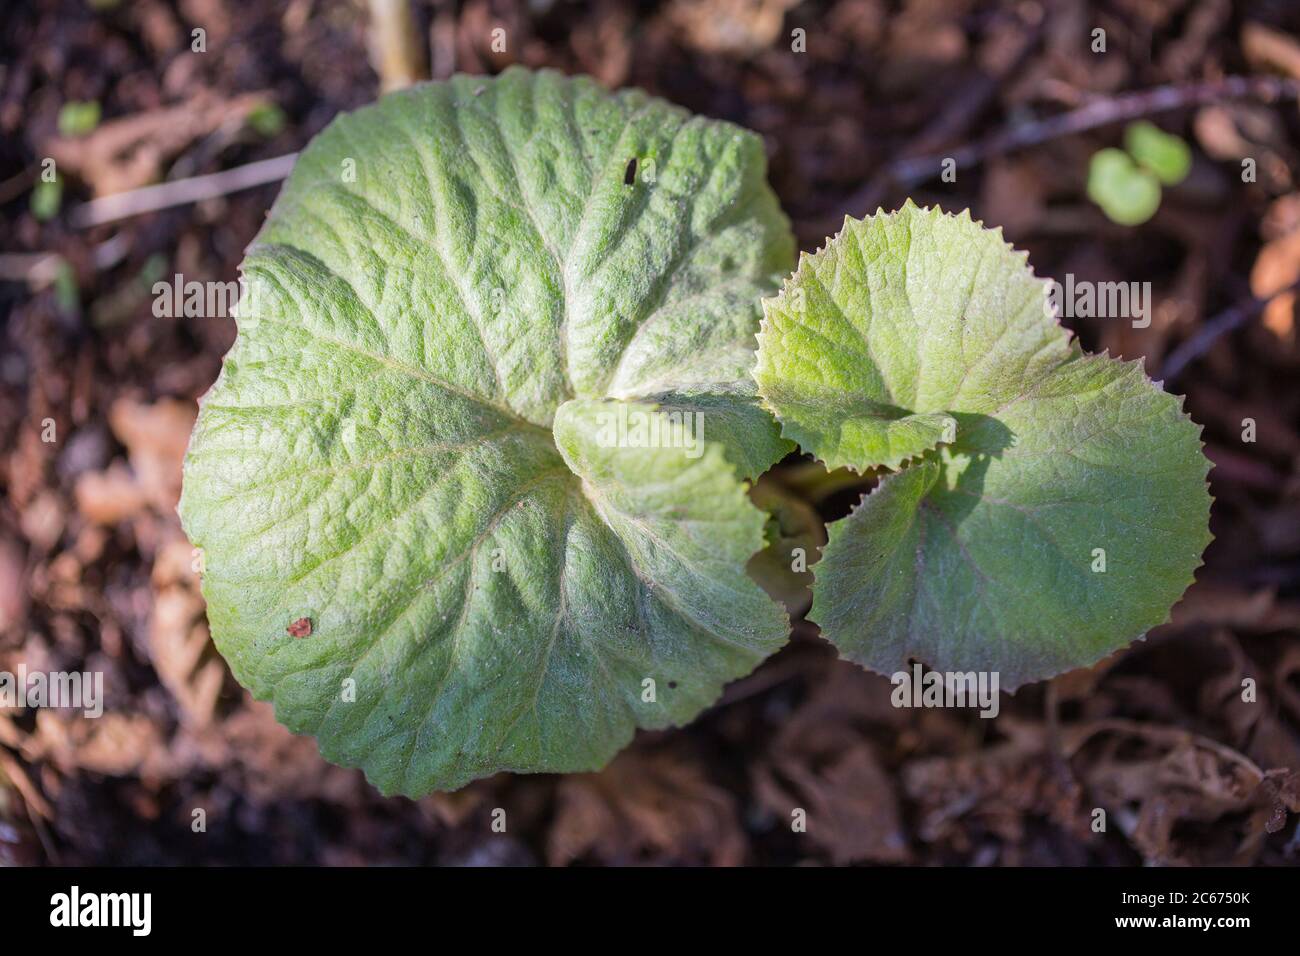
(266, 119)
(1127, 184)
(79, 118)
(47, 198)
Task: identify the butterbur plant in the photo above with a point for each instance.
(471, 487)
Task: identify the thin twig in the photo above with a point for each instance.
(39, 269)
(180, 192)
(1226, 321)
(36, 268)
(908, 172)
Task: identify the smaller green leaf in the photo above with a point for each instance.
(1060, 520)
(266, 119)
(871, 344)
(1126, 193)
(860, 429)
(1166, 155)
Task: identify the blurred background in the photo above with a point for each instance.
(859, 102)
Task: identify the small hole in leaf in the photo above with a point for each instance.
(629, 175)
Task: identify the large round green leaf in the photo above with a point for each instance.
(484, 431)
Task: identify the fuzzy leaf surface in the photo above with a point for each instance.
(1060, 519)
(454, 290)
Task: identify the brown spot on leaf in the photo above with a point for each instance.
(300, 627)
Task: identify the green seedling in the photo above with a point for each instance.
(1127, 183)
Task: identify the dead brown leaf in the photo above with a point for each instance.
(132, 151)
(1276, 268)
(269, 762)
(114, 744)
(179, 644)
(1270, 49)
(741, 27)
(823, 763)
(110, 496)
(646, 808)
(1179, 797)
(155, 437)
(995, 789)
(13, 589)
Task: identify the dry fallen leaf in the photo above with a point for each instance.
(645, 808)
(13, 587)
(730, 26)
(110, 496)
(269, 763)
(179, 644)
(1276, 268)
(155, 437)
(1180, 798)
(1266, 48)
(42, 520)
(823, 763)
(114, 744)
(131, 151)
(995, 790)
